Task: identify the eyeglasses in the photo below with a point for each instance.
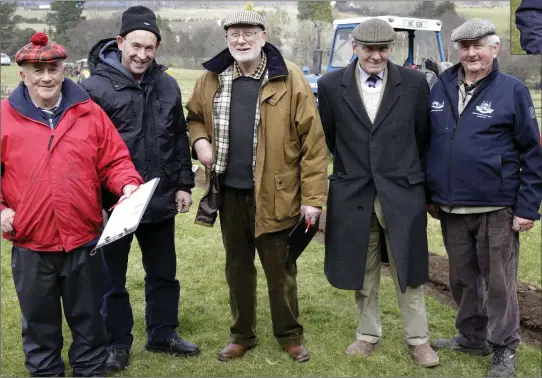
(249, 35)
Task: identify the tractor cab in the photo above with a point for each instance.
(417, 39)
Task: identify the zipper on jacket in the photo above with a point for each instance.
(501, 187)
(50, 142)
(134, 113)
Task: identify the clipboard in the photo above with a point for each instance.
(127, 214)
(298, 239)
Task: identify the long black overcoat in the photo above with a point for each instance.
(384, 158)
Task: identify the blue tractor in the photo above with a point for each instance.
(416, 37)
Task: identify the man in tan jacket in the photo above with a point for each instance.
(254, 124)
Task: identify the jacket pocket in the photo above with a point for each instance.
(164, 114)
(416, 178)
(287, 197)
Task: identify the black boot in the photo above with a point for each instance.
(175, 345)
(118, 360)
(503, 362)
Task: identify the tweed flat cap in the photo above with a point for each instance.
(39, 50)
(472, 30)
(245, 17)
(374, 31)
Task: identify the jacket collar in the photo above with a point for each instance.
(20, 100)
(276, 66)
(450, 76)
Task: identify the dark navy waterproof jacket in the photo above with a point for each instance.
(491, 154)
(529, 24)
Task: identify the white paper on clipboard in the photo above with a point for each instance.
(127, 214)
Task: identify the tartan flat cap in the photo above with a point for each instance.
(39, 50)
(472, 30)
(245, 17)
(374, 31)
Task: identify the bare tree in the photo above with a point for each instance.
(88, 32)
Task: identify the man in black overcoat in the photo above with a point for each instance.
(375, 118)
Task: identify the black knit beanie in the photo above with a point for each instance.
(139, 18)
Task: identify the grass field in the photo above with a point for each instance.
(329, 317)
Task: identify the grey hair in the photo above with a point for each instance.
(492, 40)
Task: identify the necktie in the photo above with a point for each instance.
(371, 81)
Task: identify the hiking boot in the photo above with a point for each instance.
(361, 348)
(424, 355)
(453, 345)
(503, 362)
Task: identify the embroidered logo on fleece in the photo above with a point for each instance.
(484, 110)
(532, 112)
(437, 106)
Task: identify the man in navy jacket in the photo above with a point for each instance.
(484, 176)
(529, 24)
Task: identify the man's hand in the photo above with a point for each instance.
(518, 224)
(127, 191)
(105, 218)
(204, 151)
(8, 216)
(183, 200)
(310, 213)
(432, 209)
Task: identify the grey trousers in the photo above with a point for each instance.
(411, 303)
(47, 281)
(483, 249)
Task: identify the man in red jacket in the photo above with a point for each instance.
(57, 148)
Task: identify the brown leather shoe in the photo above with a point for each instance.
(361, 348)
(232, 351)
(424, 355)
(298, 353)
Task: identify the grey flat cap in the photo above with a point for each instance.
(472, 30)
(374, 31)
(245, 17)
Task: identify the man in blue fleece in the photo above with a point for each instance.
(529, 24)
(484, 176)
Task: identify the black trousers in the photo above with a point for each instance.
(157, 243)
(42, 280)
(483, 249)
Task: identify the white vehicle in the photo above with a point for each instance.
(4, 59)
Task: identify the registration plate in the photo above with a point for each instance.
(415, 24)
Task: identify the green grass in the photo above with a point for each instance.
(329, 317)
